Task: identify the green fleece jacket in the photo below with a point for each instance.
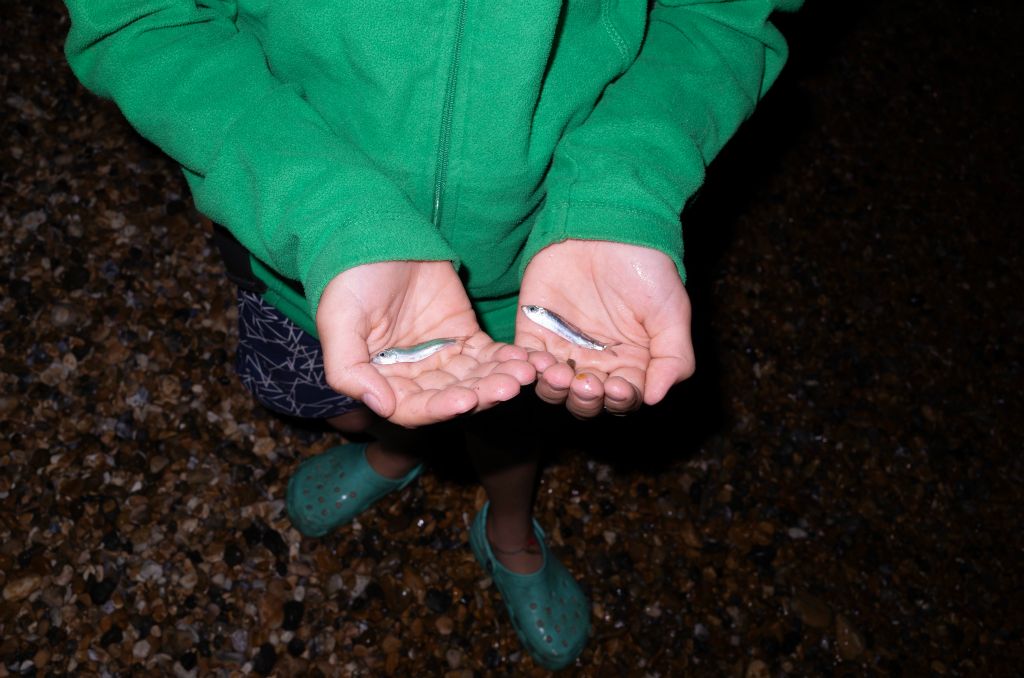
(326, 135)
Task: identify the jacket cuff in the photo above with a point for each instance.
(600, 221)
(370, 238)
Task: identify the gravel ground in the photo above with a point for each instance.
(836, 492)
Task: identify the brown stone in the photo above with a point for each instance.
(444, 625)
(757, 669)
(812, 611)
(21, 587)
(271, 609)
(41, 657)
(415, 584)
(849, 643)
(391, 644)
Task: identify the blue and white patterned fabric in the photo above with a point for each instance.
(282, 364)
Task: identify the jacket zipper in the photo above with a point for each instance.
(444, 141)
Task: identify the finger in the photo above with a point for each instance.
(671, 362)
(663, 374)
(465, 367)
(495, 388)
(348, 371)
(451, 402)
(537, 350)
(586, 394)
(622, 392)
(541, 360)
(419, 408)
(671, 357)
(522, 371)
(509, 352)
(553, 384)
(484, 349)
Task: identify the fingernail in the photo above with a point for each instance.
(371, 401)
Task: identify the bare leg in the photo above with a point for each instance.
(508, 473)
(390, 452)
(507, 467)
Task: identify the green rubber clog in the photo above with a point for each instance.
(548, 609)
(332, 488)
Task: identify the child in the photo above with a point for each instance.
(402, 173)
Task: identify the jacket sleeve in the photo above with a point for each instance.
(260, 160)
(627, 171)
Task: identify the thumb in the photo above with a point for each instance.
(348, 371)
(671, 360)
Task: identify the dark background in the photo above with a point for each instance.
(836, 492)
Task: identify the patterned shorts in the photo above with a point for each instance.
(282, 364)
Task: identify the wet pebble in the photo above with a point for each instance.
(265, 659)
(292, 615)
(271, 610)
(438, 601)
(296, 646)
(111, 636)
(653, 610)
(150, 571)
(240, 641)
(849, 643)
(445, 625)
(21, 587)
(141, 649)
(62, 315)
(188, 661)
(233, 554)
(812, 611)
(253, 534)
(100, 591)
(158, 463)
(757, 669)
(275, 543)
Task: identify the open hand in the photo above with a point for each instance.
(626, 296)
(403, 303)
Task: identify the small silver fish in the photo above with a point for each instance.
(411, 354)
(550, 320)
